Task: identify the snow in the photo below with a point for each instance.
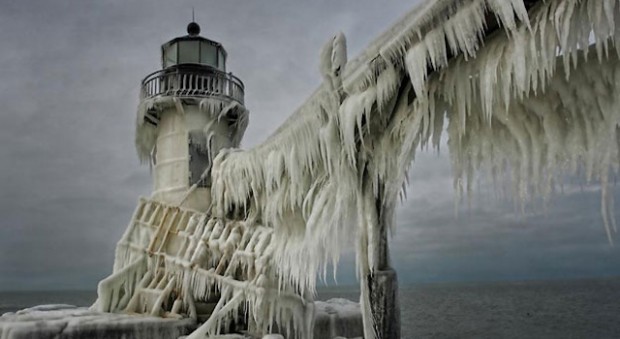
(273, 336)
(65, 321)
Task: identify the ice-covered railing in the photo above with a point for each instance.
(528, 101)
(171, 260)
(195, 81)
(116, 290)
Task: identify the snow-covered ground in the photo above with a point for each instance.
(66, 321)
(334, 318)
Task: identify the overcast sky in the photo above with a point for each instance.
(70, 177)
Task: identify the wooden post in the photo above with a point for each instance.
(380, 286)
(383, 281)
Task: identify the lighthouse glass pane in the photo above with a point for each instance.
(221, 61)
(208, 54)
(170, 55)
(189, 52)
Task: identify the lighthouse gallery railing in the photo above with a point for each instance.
(189, 80)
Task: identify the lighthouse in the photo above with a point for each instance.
(188, 111)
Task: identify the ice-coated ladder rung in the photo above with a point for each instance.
(147, 210)
(152, 213)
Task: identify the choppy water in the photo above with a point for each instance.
(550, 309)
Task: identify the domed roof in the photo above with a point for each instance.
(193, 29)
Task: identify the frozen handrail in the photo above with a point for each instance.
(192, 81)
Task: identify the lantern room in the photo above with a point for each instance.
(193, 49)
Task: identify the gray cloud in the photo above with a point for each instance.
(489, 240)
(69, 176)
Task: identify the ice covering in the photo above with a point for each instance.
(70, 322)
(171, 258)
(527, 89)
(528, 101)
(217, 107)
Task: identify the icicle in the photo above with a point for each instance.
(416, 67)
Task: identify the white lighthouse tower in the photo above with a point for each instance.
(189, 110)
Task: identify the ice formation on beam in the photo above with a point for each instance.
(531, 99)
(170, 259)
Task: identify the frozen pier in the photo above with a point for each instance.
(334, 318)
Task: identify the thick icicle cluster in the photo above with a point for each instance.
(513, 100)
(535, 103)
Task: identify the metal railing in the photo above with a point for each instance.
(192, 81)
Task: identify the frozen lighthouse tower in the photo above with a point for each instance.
(189, 110)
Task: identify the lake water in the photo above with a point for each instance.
(548, 309)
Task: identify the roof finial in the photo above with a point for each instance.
(193, 29)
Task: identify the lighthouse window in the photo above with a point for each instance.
(221, 62)
(208, 54)
(189, 52)
(170, 55)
